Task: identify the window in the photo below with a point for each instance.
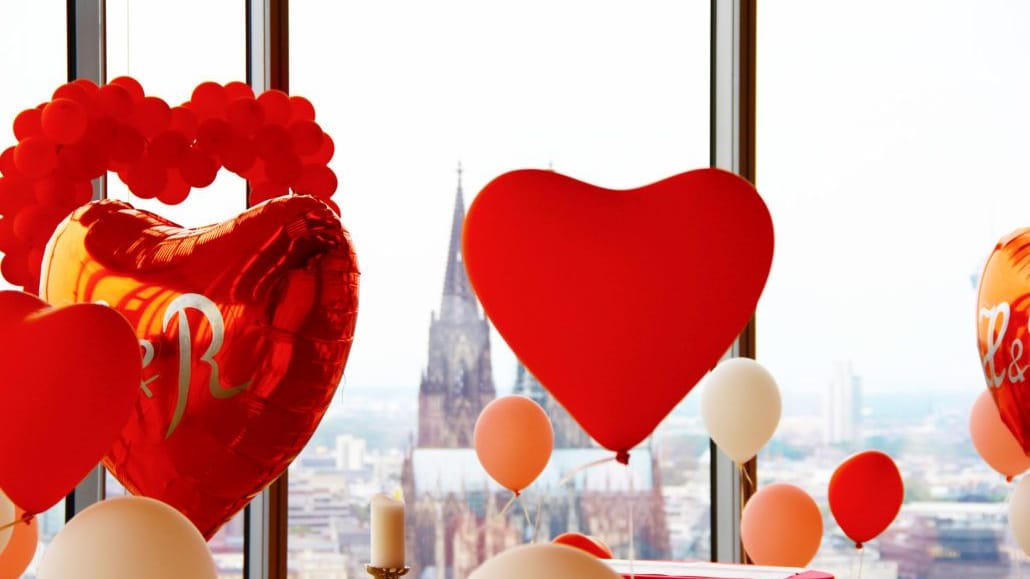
(33, 55)
(606, 92)
(890, 138)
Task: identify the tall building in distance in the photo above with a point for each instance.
(458, 380)
(842, 406)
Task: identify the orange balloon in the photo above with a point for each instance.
(513, 439)
(993, 440)
(781, 525)
(19, 552)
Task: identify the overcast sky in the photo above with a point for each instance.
(892, 146)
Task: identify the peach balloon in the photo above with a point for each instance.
(7, 514)
(128, 538)
(16, 557)
(781, 525)
(993, 440)
(544, 561)
(513, 439)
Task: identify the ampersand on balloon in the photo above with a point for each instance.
(244, 327)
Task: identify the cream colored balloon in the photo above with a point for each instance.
(740, 405)
(1019, 514)
(544, 561)
(128, 538)
(7, 515)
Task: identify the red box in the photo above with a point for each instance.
(704, 570)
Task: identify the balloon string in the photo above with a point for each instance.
(529, 520)
(632, 531)
(539, 517)
(507, 506)
(747, 477)
(24, 519)
(861, 557)
(572, 474)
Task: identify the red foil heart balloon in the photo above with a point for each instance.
(69, 380)
(618, 301)
(245, 328)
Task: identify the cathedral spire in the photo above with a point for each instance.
(457, 292)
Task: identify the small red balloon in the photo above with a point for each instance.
(168, 148)
(272, 141)
(213, 136)
(301, 109)
(588, 543)
(209, 99)
(284, 169)
(64, 121)
(131, 86)
(324, 153)
(198, 168)
(307, 137)
(317, 180)
(264, 191)
(75, 92)
(27, 124)
(151, 116)
(176, 189)
(146, 178)
(35, 156)
(114, 101)
(238, 90)
(239, 155)
(245, 115)
(7, 164)
(276, 106)
(865, 495)
(183, 120)
(127, 145)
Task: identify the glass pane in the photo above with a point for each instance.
(170, 48)
(33, 56)
(610, 93)
(890, 140)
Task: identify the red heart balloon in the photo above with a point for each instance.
(245, 328)
(69, 378)
(618, 301)
(1003, 327)
(865, 495)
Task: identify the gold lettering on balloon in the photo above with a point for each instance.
(996, 316)
(209, 310)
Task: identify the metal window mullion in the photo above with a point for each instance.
(87, 49)
(732, 147)
(267, 68)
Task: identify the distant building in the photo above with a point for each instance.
(458, 381)
(350, 453)
(454, 514)
(842, 406)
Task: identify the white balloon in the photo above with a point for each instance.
(544, 561)
(128, 538)
(7, 514)
(1019, 514)
(740, 405)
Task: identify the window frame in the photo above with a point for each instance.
(732, 147)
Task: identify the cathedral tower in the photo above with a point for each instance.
(458, 380)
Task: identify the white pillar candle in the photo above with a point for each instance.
(387, 532)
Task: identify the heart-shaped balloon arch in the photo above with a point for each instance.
(244, 326)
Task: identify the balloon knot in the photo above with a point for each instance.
(858, 545)
(1008, 479)
(623, 457)
(517, 493)
(27, 517)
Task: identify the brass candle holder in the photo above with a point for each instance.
(386, 573)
